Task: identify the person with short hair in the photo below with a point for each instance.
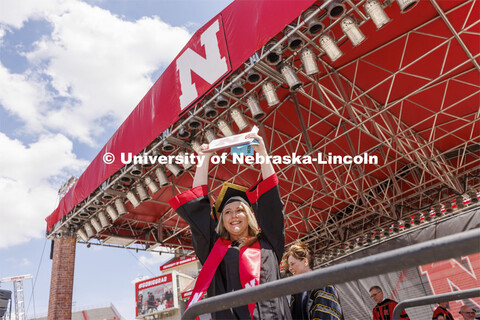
(384, 308)
(441, 312)
(322, 303)
(467, 313)
(245, 247)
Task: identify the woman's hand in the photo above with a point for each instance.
(201, 173)
(260, 147)
(267, 167)
(206, 155)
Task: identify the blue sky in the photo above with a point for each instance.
(70, 72)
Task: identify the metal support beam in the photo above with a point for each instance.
(457, 295)
(394, 260)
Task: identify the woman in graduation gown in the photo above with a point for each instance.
(234, 253)
(322, 303)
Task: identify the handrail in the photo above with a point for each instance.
(450, 296)
(443, 248)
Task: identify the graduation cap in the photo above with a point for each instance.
(230, 192)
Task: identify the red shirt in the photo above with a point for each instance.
(384, 311)
(442, 311)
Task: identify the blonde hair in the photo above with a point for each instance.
(299, 251)
(253, 229)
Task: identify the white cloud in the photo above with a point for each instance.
(25, 262)
(103, 64)
(24, 97)
(140, 278)
(14, 13)
(99, 65)
(26, 174)
(155, 259)
(2, 34)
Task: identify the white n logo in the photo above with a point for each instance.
(210, 69)
(250, 284)
(197, 296)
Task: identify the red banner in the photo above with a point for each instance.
(154, 295)
(243, 27)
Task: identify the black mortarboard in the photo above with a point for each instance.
(230, 192)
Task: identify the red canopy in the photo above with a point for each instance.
(408, 94)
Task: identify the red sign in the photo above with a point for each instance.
(177, 263)
(454, 275)
(186, 294)
(154, 295)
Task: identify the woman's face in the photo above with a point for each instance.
(235, 220)
(297, 266)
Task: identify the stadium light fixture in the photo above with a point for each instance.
(210, 135)
(161, 176)
(210, 111)
(183, 133)
(374, 10)
(194, 123)
(309, 61)
(406, 5)
(175, 169)
(275, 56)
(290, 76)
(196, 146)
(386, 232)
(151, 184)
(237, 88)
(294, 40)
(329, 46)
(253, 76)
(96, 224)
(89, 229)
(428, 216)
(473, 197)
(137, 170)
(238, 118)
(448, 207)
(438, 210)
(112, 212)
(459, 202)
(81, 233)
(270, 93)
(167, 146)
(254, 106)
(351, 245)
(120, 207)
(83, 214)
(352, 31)
(225, 128)
(417, 219)
(335, 9)
(132, 197)
(103, 219)
(186, 163)
(107, 196)
(142, 192)
(313, 23)
(221, 101)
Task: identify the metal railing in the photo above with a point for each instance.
(422, 253)
(458, 295)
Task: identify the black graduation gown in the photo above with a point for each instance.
(194, 207)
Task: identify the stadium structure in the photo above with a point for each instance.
(369, 108)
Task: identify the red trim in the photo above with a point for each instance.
(263, 186)
(187, 196)
(85, 315)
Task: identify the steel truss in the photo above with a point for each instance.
(422, 164)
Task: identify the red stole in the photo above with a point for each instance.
(248, 268)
